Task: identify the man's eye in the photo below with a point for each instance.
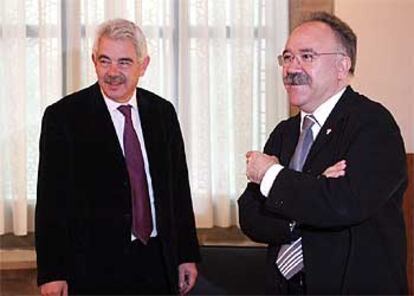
(307, 57)
(287, 57)
(104, 62)
(125, 63)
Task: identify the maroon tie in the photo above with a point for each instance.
(141, 212)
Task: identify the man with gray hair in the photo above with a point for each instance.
(326, 194)
(114, 212)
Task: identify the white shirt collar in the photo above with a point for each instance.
(113, 105)
(322, 112)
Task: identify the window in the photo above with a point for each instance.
(215, 60)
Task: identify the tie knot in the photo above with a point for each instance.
(308, 122)
(125, 110)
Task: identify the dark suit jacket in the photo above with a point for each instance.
(83, 212)
(352, 228)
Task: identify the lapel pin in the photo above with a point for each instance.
(328, 131)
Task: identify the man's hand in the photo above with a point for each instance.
(187, 275)
(55, 288)
(257, 164)
(336, 171)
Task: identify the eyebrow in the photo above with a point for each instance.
(126, 60)
(300, 50)
(102, 56)
(307, 50)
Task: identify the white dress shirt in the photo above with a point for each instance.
(118, 120)
(321, 114)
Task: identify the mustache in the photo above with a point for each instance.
(117, 79)
(297, 78)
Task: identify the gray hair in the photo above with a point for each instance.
(122, 29)
(343, 32)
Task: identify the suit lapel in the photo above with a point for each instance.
(148, 121)
(104, 129)
(151, 130)
(290, 139)
(330, 126)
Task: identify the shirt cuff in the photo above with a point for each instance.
(269, 178)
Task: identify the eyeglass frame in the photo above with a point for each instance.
(282, 63)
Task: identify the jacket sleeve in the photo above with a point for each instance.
(375, 175)
(256, 221)
(50, 216)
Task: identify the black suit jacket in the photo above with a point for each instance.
(352, 228)
(83, 212)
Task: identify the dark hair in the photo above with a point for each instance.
(343, 32)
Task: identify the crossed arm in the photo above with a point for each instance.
(256, 221)
(257, 164)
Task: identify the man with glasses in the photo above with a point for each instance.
(327, 192)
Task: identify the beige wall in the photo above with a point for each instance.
(385, 62)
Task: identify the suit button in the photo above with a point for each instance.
(279, 203)
(125, 183)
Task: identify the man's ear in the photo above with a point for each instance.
(143, 66)
(343, 65)
(93, 57)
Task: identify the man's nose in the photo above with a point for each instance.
(113, 69)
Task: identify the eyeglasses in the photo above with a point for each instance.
(306, 57)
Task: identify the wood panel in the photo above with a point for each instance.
(409, 222)
(299, 8)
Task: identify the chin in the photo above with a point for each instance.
(296, 97)
(114, 95)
